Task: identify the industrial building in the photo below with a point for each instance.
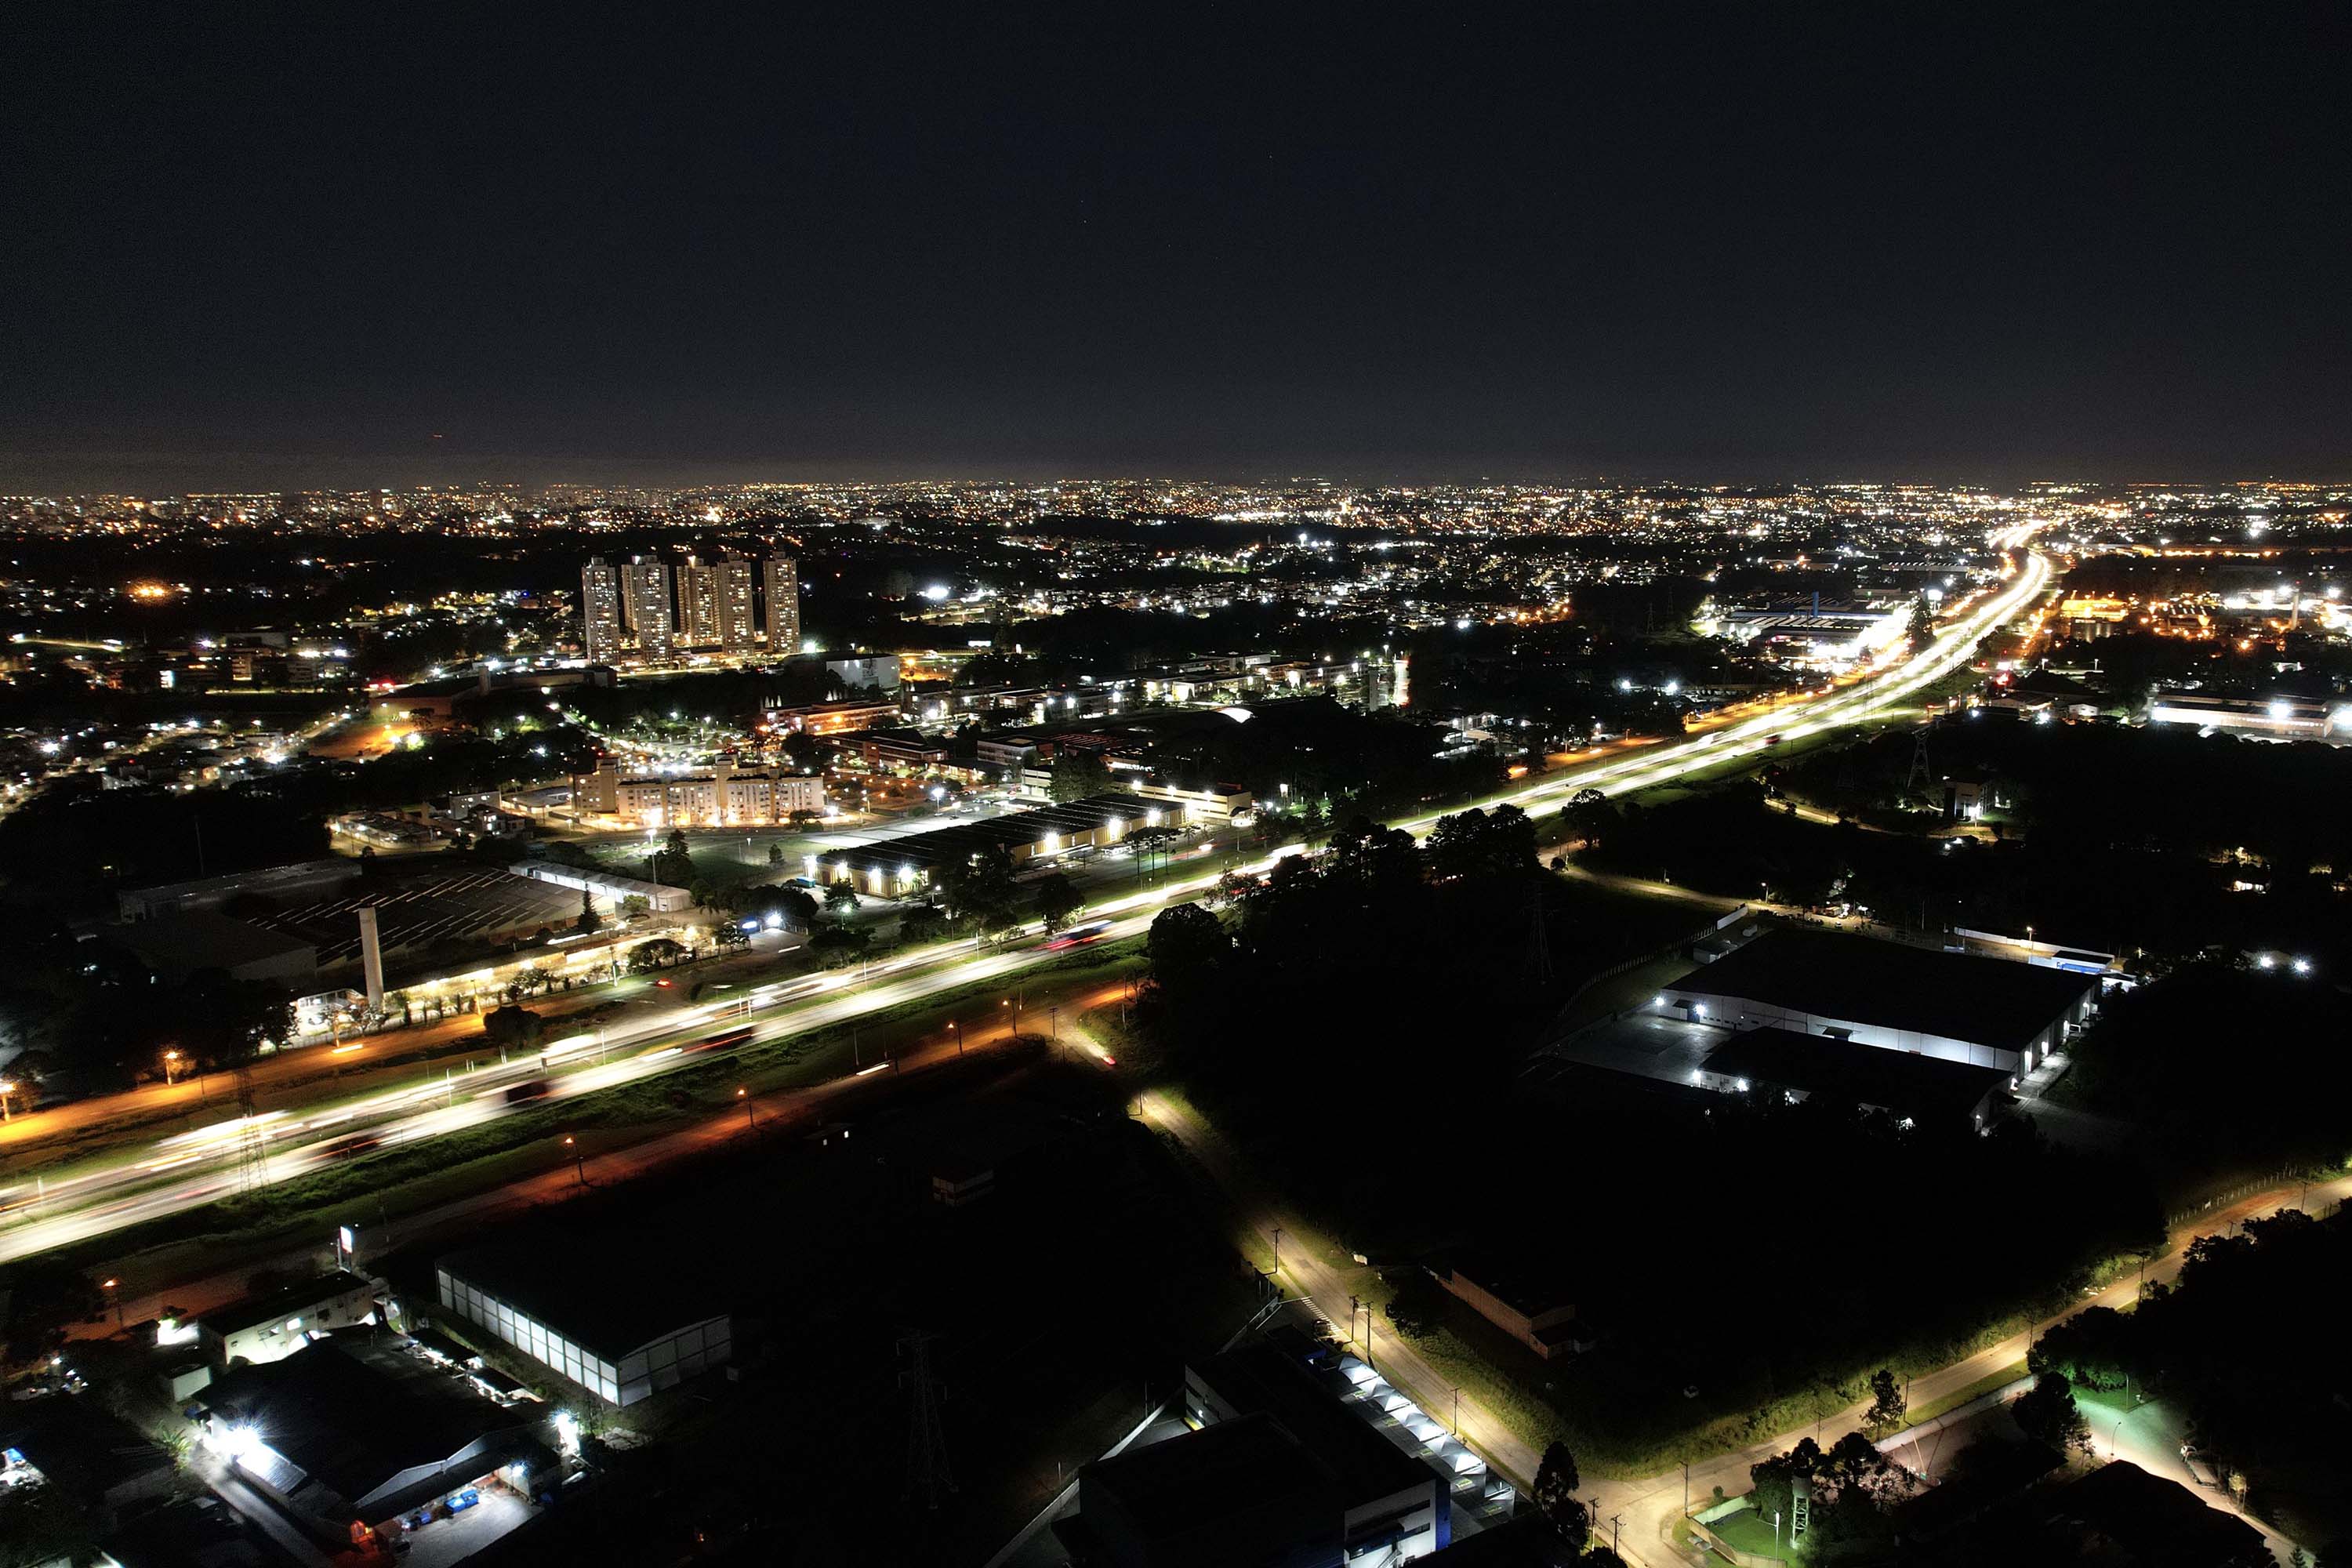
(2276, 716)
(1523, 1302)
(272, 1327)
(1910, 1086)
(1281, 1466)
(1984, 1012)
(608, 886)
(352, 1434)
(895, 867)
(620, 1334)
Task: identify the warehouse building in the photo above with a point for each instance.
(623, 1334)
(893, 868)
(352, 1434)
(1910, 1086)
(1984, 1012)
(273, 1327)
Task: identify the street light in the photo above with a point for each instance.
(171, 1068)
(113, 1289)
(749, 1120)
(579, 1160)
(8, 1089)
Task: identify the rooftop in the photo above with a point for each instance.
(1199, 1485)
(1985, 1001)
(353, 1412)
(959, 843)
(1260, 1378)
(610, 1292)
(289, 1302)
(1906, 1082)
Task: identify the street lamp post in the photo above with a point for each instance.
(171, 1068)
(113, 1289)
(750, 1120)
(7, 1092)
(958, 1027)
(579, 1161)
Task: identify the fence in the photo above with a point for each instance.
(1700, 1521)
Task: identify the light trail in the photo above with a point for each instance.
(101, 1201)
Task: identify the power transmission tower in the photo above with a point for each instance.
(1919, 773)
(252, 1159)
(927, 1479)
(1539, 940)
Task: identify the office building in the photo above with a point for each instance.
(600, 611)
(273, 1327)
(780, 584)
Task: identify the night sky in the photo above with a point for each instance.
(384, 243)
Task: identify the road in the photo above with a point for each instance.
(188, 1170)
(1650, 1506)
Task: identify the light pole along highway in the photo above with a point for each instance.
(195, 1168)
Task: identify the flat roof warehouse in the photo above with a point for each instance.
(1993, 1003)
(1096, 822)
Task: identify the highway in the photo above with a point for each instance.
(187, 1170)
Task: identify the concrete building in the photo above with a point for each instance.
(352, 1434)
(270, 1328)
(177, 945)
(1958, 1006)
(2278, 716)
(1389, 1501)
(600, 611)
(721, 797)
(1537, 1311)
(608, 887)
(621, 1333)
(892, 868)
(780, 587)
(1910, 1086)
(646, 607)
(829, 717)
(1241, 1490)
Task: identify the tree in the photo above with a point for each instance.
(590, 922)
(659, 953)
(530, 980)
(840, 896)
(924, 923)
(775, 852)
(1418, 1307)
(1057, 900)
(838, 944)
(512, 1028)
(729, 935)
(674, 863)
(1185, 945)
(804, 820)
(1076, 775)
(1922, 627)
(982, 891)
(1555, 1495)
(635, 907)
(2047, 1414)
(1887, 1404)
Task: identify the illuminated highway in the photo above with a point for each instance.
(192, 1168)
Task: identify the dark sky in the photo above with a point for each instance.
(353, 243)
